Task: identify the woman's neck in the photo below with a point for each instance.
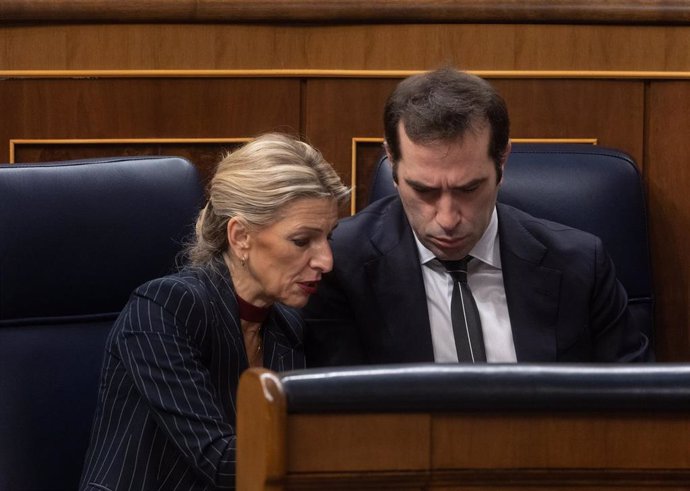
(251, 313)
(253, 343)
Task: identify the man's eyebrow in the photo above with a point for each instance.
(427, 187)
(472, 183)
(419, 185)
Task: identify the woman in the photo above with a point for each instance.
(166, 409)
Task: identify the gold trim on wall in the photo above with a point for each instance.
(589, 141)
(109, 141)
(316, 73)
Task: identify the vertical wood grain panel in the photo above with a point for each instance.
(610, 111)
(668, 181)
(561, 440)
(339, 110)
(146, 108)
(358, 442)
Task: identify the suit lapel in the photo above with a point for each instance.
(399, 296)
(532, 290)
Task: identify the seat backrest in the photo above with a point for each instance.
(76, 238)
(589, 187)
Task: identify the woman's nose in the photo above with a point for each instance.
(323, 259)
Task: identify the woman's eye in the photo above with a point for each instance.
(300, 242)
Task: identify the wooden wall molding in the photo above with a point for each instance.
(386, 11)
(370, 74)
(204, 153)
(15, 143)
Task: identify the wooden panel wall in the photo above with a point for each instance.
(191, 87)
(668, 181)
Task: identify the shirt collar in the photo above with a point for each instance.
(486, 249)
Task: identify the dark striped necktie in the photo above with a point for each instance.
(467, 327)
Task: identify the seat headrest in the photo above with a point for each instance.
(589, 187)
(78, 236)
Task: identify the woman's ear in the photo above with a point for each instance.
(238, 236)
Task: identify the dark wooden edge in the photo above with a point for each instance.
(615, 478)
(349, 11)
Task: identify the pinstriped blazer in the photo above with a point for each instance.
(166, 407)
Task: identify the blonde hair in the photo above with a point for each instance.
(254, 183)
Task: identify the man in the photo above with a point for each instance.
(543, 291)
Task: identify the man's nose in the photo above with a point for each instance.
(448, 214)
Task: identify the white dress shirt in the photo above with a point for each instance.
(485, 278)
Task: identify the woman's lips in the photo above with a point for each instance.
(308, 286)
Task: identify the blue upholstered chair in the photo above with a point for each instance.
(589, 187)
(76, 238)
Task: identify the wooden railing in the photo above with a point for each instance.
(465, 427)
(340, 11)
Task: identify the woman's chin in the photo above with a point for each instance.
(295, 301)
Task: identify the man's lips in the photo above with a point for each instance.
(447, 242)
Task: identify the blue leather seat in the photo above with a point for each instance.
(76, 238)
(589, 187)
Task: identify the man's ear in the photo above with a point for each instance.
(238, 236)
(504, 159)
(390, 162)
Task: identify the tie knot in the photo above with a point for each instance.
(457, 269)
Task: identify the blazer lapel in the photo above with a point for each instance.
(282, 348)
(399, 296)
(282, 341)
(532, 290)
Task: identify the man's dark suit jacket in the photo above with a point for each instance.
(166, 409)
(564, 301)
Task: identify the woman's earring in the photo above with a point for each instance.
(243, 261)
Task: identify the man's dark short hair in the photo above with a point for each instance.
(443, 105)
